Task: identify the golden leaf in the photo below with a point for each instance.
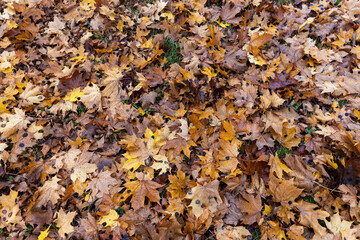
(277, 166)
(110, 219)
(74, 95)
(178, 184)
(43, 234)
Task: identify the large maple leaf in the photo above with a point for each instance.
(11, 123)
(141, 188)
(277, 166)
(309, 216)
(178, 184)
(251, 205)
(103, 183)
(63, 222)
(10, 211)
(50, 191)
(204, 196)
(228, 154)
(209, 165)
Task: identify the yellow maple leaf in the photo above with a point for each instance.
(357, 113)
(178, 184)
(50, 191)
(80, 55)
(161, 163)
(272, 30)
(13, 122)
(44, 234)
(228, 155)
(209, 165)
(267, 209)
(9, 200)
(256, 60)
(148, 44)
(74, 95)
(229, 132)
(11, 24)
(154, 141)
(108, 12)
(87, 5)
(181, 111)
(80, 187)
(3, 105)
(338, 225)
(277, 166)
(175, 206)
(209, 72)
(10, 92)
(6, 67)
(21, 85)
(270, 99)
(330, 161)
(141, 111)
(110, 219)
(187, 75)
(195, 18)
(309, 216)
(222, 24)
(120, 26)
(133, 162)
(168, 15)
(356, 51)
(221, 71)
(77, 142)
(229, 232)
(289, 140)
(274, 230)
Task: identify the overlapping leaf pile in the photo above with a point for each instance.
(230, 119)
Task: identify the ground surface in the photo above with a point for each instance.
(212, 119)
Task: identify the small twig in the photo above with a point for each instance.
(331, 190)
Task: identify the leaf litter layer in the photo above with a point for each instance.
(212, 119)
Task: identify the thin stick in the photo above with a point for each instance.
(332, 190)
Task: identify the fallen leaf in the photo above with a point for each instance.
(63, 222)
